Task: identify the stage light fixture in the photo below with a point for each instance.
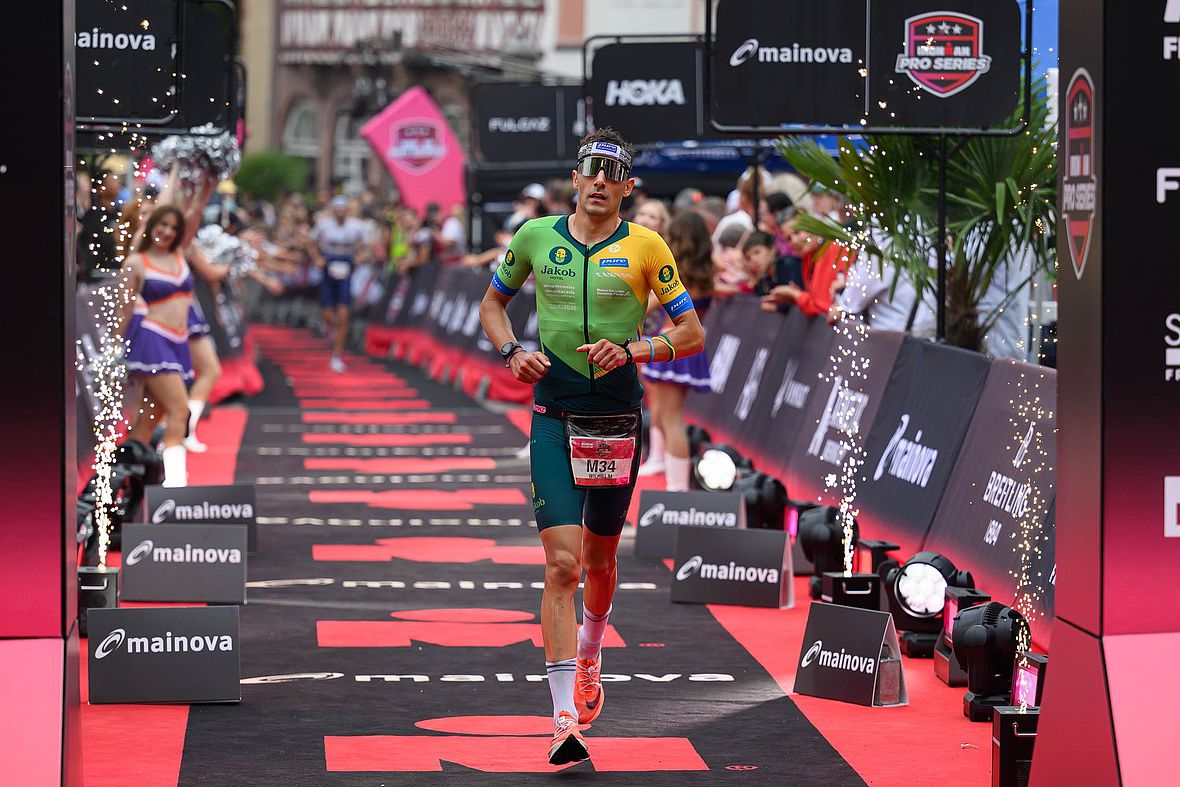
(877, 553)
(917, 594)
(717, 468)
(822, 539)
(795, 509)
(945, 666)
(1028, 679)
(986, 638)
(765, 499)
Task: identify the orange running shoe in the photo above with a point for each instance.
(567, 745)
(588, 693)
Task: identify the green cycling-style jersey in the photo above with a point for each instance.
(585, 294)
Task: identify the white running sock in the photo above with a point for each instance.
(676, 472)
(561, 686)
(654, 464)
(175, 472)
(591, 632)
(195, 408)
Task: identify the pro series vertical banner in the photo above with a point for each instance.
(40, 729)
(1104, 719)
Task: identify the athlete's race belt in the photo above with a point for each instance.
(339, 267)
(602, 448)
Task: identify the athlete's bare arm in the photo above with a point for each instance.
(493, 314)
(686, 336)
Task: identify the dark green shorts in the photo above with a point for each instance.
(556, 501)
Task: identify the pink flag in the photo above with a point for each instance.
(421, 152)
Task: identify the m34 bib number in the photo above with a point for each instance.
(598, 462)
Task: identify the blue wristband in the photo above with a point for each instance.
(651, 349)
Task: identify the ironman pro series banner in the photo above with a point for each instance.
(876, 64)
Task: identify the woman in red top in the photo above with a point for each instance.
(823, 264)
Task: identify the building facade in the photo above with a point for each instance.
(318, 69)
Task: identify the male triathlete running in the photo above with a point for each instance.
(340, 239)
(593, 275)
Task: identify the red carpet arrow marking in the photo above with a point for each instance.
(431, 550)
(448, 634)
(389, 440)
(502, 754)
(422, 499)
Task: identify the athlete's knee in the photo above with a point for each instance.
(599, 563)
(563, 570)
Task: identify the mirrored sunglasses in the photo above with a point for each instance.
(611, 168)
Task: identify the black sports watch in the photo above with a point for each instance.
(507, 350)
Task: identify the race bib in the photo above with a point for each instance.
(601, 461)
(339, 269)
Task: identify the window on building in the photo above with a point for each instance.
(350, 153)
(301, 135)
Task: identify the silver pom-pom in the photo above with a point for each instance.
(216, 154)
(223, 249)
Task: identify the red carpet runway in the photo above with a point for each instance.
(392, 638)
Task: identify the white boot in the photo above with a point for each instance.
(195, 408)
(175, 471)
(654, 464)
(676, 473)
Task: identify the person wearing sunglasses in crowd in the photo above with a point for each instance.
(593, 274)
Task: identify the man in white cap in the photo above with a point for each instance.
(340, 239)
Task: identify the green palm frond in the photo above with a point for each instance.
(1001, 198)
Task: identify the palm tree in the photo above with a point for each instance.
(1001, 203)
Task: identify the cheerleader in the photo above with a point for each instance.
(158, 350)
(206, 364)
(667, 383)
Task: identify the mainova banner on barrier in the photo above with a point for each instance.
(798, 396)
(841, 410)
(789, 382)
(993, 512)
(223, 311)
(915, 439)
(741, 339)
(432, 319)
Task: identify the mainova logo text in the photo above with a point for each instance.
(907, 460)
(201, 512)
(752, 49)
(168, 643)
(146, 550)
(730, 571)
(686, 516)
(841, 660)
(96, 38)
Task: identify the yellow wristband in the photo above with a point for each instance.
(671, 349)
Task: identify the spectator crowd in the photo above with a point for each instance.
(347, 251)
